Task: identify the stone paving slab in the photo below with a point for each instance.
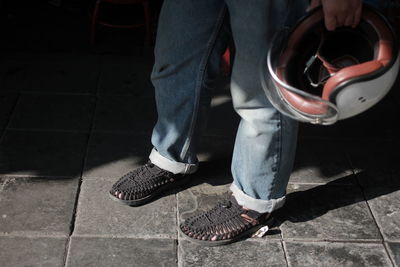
(368, 125)
(125, 113)
(13, 76)
(32, 251)
(7, 103)
(99, 215)
(321, 161)
(385, 203)
(126, 75)
(394, 249)
(65, 38)
(45, 28)
(215, 149)
(212, 173)
(17, 58)
(245, 253)
(361, 127)
(96, 251)
(111, 155)
(54, 112)
(336, 254)
(40, 153)
(3, 73)
(139, 55)
(58, 73)
(376, 162)
(327, 213)
(199, 198)
(37, 206)
(114, 154)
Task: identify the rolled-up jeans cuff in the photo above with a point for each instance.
(171, 166)
(258, 205)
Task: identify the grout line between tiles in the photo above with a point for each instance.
(285, 253)
(392, 260)
(127, 236)
(370, 210)
(350, 241)
(46, 130)
(178, 252)
(78, 191)
(7, 124)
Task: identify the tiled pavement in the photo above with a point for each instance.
(72, 122)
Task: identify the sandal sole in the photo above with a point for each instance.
(243, 235)
(147, 199)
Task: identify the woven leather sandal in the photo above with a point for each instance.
(143, 184)
(227, 222)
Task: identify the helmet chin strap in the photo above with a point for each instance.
(326, 69)
(316, 63)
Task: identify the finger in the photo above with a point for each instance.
(341, 18)
(357, 16)
(349, 21)
(330, 22)
(314, 4)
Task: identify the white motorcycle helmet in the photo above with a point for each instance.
(320, 76)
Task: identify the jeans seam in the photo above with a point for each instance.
(200, 78)
(279, 155)
(281, 125)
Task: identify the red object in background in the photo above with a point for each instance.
(147, 18)
(227, 60)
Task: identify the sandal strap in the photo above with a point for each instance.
(226, 220)
(143, 180)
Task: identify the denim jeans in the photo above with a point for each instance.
(191, 37)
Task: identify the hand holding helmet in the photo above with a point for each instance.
(339, 12)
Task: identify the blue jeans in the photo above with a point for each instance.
(191, 37)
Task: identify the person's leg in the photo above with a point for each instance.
(265, 143)
(191, 38)
(187, 56)
(266, 140)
